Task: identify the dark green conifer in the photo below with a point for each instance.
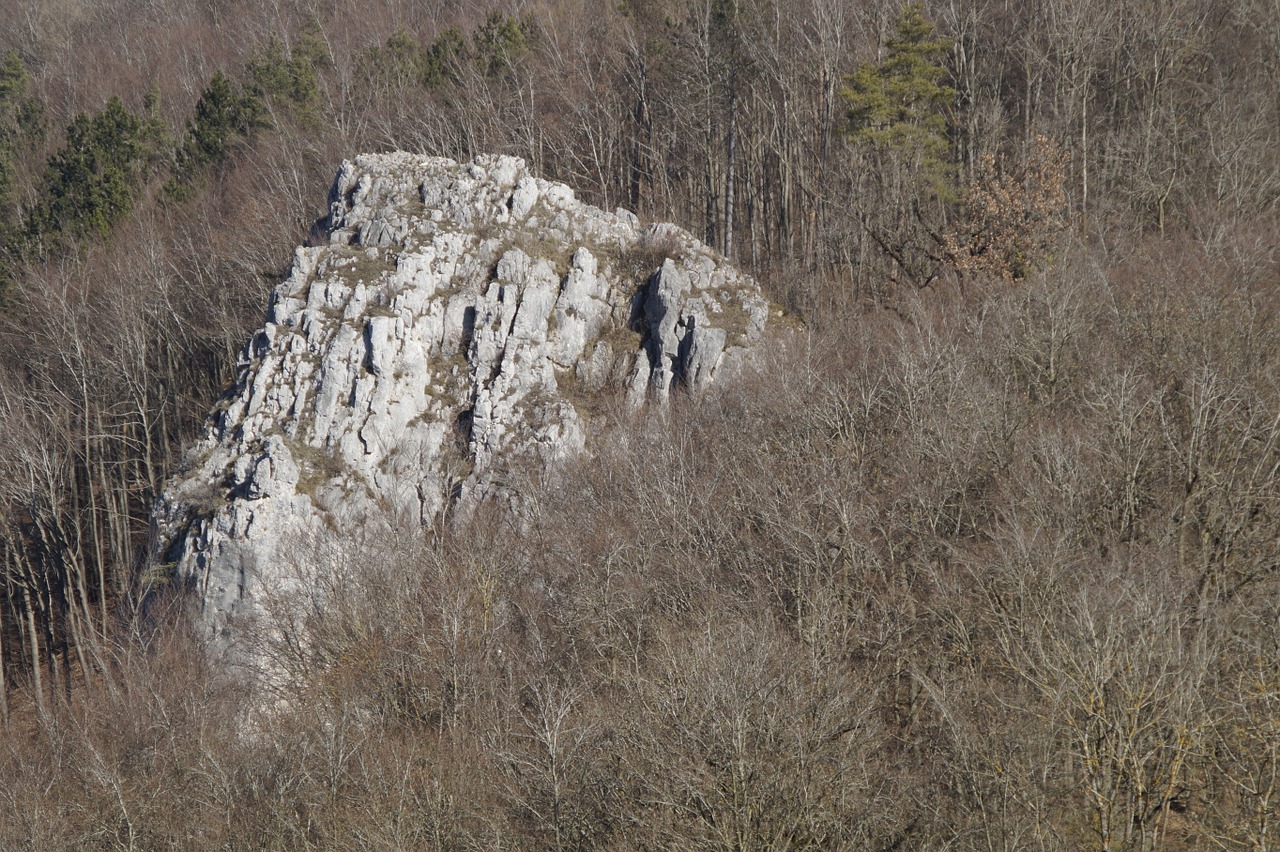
(901, 104)
(224, 116)
(498, 42)
(92, 180)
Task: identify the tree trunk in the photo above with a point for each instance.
(37, 680)
(730, 172)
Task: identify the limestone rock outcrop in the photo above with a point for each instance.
(457, 323)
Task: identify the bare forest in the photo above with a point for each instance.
(991, 561)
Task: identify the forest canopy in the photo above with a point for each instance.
(989, 563)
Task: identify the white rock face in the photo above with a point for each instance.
(447, 336)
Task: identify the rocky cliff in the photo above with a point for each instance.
(455, 325)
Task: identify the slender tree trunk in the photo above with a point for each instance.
(1084, 153)
(95, 532)
(37, 680)
(5, 603)
(640, 113)
(730, 174)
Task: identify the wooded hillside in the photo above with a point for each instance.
(991, 563)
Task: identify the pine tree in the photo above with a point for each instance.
(92, 180)
(444, 59)
(901, 104)
(224, 116)
(399, 63)
(289, 79)
(898, 120)
(21, 126)
(498, 42)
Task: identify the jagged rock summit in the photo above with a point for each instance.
(455, 324)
